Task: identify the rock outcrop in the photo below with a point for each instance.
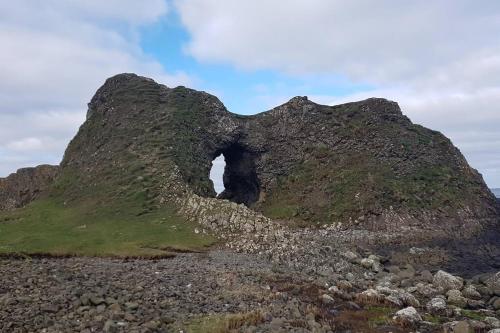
(25, 185)
(362, 164)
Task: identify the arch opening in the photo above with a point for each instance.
(240, 176)
(217, 173)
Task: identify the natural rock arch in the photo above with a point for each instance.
(240, 177)
(360, 164)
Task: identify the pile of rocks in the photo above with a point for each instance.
(365, 293)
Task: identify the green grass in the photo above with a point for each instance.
(328, 188)
(379, 315)
(473, 315)
(49, 227)
(434, 319)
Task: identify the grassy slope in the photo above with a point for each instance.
(330, 187)
(105, 200)
(46, 227)
(97, 221)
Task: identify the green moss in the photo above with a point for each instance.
(473, 315)
(330, 187)
(282, 211)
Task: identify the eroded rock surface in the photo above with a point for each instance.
(359, 166)
(362, 163)
(25, 185)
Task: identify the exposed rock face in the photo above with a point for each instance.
(359, 164)
(25, 185)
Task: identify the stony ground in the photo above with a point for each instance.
(222, 291)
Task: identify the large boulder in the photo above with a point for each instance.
(493, 283)
(437, 306)
(407, 317)
(446, 281)
(455, 298)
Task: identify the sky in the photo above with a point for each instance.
(440, 60)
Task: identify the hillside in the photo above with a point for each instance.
(145, 150)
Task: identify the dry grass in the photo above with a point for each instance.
(224, 323)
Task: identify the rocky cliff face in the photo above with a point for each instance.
(25, 185)
(360, 164)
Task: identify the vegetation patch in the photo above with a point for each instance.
(473, 315)
(223, 323)
(49, 227)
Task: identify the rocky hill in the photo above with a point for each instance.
(342, 218)
(25, 185)
(361, 164)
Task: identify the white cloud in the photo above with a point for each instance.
(439, 59)
(55, 54)
(25, 144)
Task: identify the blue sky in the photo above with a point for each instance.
(439, 60)
(242, 91)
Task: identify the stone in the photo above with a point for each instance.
(436, 306)
(115, 307)
(96, 300)
(367, 263)
(129, 317)
(457, 327)
(408, 272)
(131, 306)
(455, 297)
(327, 299)
(349, 255)
(471, 292)
(492, 322)
(407, 317)
(426, 276)
(110, 327)
(447, 281)
(427, 290)
(409, 300)
(344, 285)
(496, 303)
(370, 296)
(493, 283)
(152, 325)
(350, 277)
(475, 304)
(49, 308)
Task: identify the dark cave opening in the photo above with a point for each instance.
(241, 184)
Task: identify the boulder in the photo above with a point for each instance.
(407, 317)
(327, 299)
(492, 322)
(455, 297)
(457, 327)
(370, 296)
(447, 281)
(493, 283)
(471, 292)
(436, 306)
(367, 263)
